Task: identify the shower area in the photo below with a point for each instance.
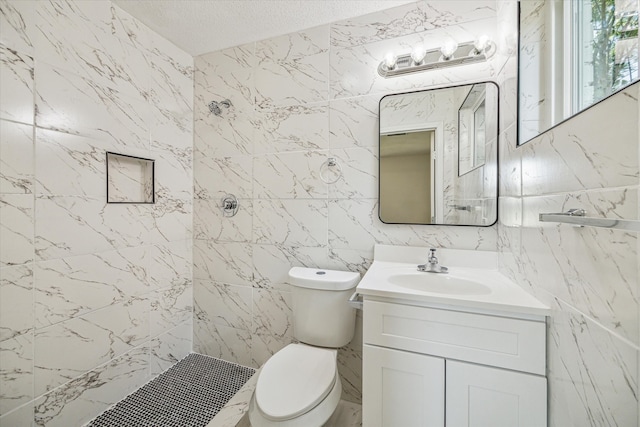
(96, 292)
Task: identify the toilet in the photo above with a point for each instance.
(299, 386)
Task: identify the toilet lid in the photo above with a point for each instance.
(295, 380)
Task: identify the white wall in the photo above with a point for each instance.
(299, 99)
(95, 299)
(588, 276)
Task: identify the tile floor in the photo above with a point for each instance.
(188, 394)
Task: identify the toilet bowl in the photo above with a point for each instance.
(299, 386)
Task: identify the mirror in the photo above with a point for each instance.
(438, 156)
(572, 54)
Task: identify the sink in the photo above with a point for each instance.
(438, 283)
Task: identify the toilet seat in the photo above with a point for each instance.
(298, 386)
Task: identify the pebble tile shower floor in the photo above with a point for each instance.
(188, 394)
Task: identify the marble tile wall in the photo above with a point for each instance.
(590, 277)
(94, 298)
(297, 100)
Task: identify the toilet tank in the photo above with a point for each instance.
(321, 314)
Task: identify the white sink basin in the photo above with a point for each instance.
(473, 281)
(438, 283)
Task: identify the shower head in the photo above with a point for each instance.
(214, 106)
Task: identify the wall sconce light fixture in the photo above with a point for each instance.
(449, 55)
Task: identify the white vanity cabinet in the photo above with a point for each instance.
(434, 367)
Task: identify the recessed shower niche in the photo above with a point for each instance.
(130, 179)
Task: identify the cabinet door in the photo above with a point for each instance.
(480, 396)
(402, 389)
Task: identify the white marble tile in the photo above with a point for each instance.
(347, 414)
(172, 220)
(593, 375)
(16, 301)
(232, 345)
(292, 69)
(222, 304)
(217, 176)
(170, 129)
(171, 264)
(231, 134)
(16, 372)
(353, 122)
(265, 346)
(510, 173)
(290, 222)
(407, 19)
(67, 226)
(508, 104)
(573, 153)
(272, 313)
(174, 173)
(17, 24)
(171, 91)
(16, 86)
(16, 158)
(211, 223)
(354, 69)
(68, 103)
(289, 175)
(95, 338)
(358, 260)
(20, 417)
(271, 263)
(354, 224)
(227, 73)
(70, 287)
(16, 229)
(70, 165)
(292, 128)
(350, 370)
(509, 237)
(593, 269)
(79, 37)
(223, 262)
(86, 396)
(128, 29)
(508, 15)
(386, 24)
(169, 307)
(359, 178)
(170, 347)
(172, 75)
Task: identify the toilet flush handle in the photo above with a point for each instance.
(356, 301)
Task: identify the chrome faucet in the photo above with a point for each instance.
(432, 266)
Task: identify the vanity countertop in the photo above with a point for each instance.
(473, 282)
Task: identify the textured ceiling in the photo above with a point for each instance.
(201, 26)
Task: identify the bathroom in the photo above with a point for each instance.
(97, 299)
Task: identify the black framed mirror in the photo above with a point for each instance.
(438, 156)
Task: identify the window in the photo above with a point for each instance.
(605, 49)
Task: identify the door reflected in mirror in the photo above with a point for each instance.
(438, 156)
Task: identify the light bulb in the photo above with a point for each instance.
(418, 53)
(448, 49)
(481, 44)
(390, 60)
